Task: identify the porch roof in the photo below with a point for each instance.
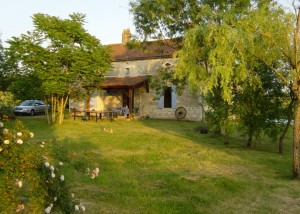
(125, 82)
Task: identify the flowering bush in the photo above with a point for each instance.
(27, 181)
(19, 163)
(59, 197)
(6, 105)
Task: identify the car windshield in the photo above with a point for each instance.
(27, 103)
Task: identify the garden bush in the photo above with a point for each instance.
(28, 182)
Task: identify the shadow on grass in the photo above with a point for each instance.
(263, 154)
(158, 166)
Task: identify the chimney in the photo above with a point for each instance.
(126, 36)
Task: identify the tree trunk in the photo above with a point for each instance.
(61, 110)
(296, 141)
(286, 128)
(249, 143)
(47, 112)
(53, 109)
(226, 137)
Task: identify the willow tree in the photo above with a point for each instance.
(165, 19)
(228, 52)
(63, 55)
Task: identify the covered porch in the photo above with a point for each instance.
(127, 85)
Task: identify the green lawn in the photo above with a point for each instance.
(158, 166)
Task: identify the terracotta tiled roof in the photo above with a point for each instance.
(124, 82)
(153, 50)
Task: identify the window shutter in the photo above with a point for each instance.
(160, 102)
(174, 97)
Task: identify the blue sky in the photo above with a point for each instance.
(106, 19)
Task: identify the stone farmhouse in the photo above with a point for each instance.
(127, 85)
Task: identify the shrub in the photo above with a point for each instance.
(6, 105)
(26, 183)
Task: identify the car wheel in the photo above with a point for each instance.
(31, 112)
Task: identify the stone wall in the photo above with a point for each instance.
(143, 100)
(138, 67)
(149, 107)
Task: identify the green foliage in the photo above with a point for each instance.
(26, 183)
(27, 87)
(61, 57)
(59, 197)
(5, 69)
(7, 102)
(160, 19)
(19, 161)
(165, 78)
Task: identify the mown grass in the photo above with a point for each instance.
(157, 166)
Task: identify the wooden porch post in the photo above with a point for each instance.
(130, 96)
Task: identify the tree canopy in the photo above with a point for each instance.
(63, 55)
(225, 44)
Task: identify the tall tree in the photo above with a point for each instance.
(63, 55)
(3, 69)
(161, 19)
(223, 42)
(231, 51)
(275, 35)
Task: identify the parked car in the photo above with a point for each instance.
(31, 107)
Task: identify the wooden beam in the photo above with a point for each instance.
(130, 96)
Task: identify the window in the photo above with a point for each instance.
(168, 99)
(127, 71)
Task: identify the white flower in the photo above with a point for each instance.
(52, 175)
(1, 124)
(6, 141)
(5, 131)
(72, 195)
(19, 134)
(60, 163)
(82, 207)
(51, 205)
(93, 176)
(42, 146)
(48, 209)
(31, 135)
(97, 170)
(20, 207)
(19, 183)
(43, 142)
(55, 198)
(62, 178)
(47, 164)
(76, 208)
(19, 141)
(52, 168)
